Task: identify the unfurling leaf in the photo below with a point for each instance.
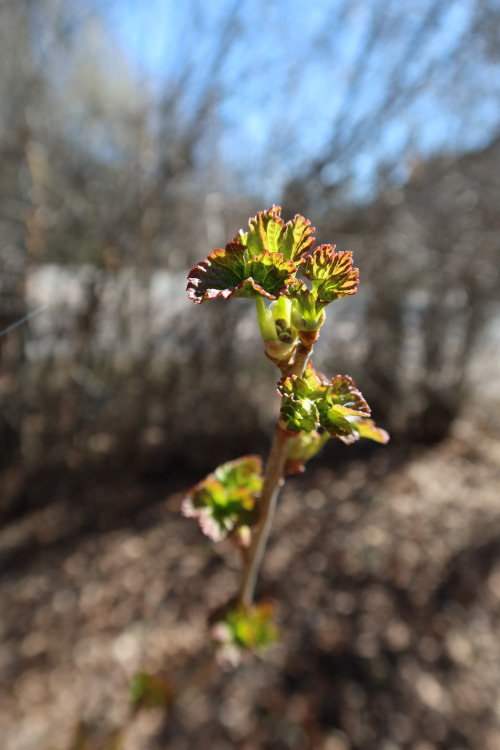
(268, 231)
(313, 402)
(366, 428)
(332, 273)
(265, 233)
(342, 392)
(308, 313)
(226, 499)
(239, 631)
(298, 239)
(230, 272)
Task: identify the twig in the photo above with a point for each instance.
(273, 481)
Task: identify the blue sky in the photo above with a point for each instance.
(147, 31)
(292, 67)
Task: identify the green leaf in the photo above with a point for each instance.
(332, 273)
(299, 412)
(298, 415)
(366, 428)
(343, 393)
(265, 232)
(308, 314)
(226, 499)
(268, 231)
(298, 238)
(228, 272)
(270, 273)
(239, 631)
(312, 402)
(334, 421)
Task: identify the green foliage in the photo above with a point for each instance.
(368, 429)
(269, 232)
(331, 273)
(264, 262)
(232, 272)
(225, 501)
(240, 631)
(311, 403)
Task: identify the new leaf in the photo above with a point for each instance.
(268, 231)
(239, 631)
(226, 499)
(331, 273)
(312, 402)
(229, 272)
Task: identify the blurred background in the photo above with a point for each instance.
(134, 139)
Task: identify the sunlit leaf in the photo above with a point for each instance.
(265, 233)
(255, 238)
(332, 273)
(229, 272)
(298, 414)
(226, 499)
(298, 238)
(308, 313)
(343, 392)
(334, 420)
(268, 231)
(269, 273)
(311, 402)
(240, 631)
(366, 428)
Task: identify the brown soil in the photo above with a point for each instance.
(388, 583)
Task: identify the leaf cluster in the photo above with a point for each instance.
(238, 631)
(266, 262)
(225, 501)
(312, 402)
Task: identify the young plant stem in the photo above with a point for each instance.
(267, 504)
(301, 359)
(273, 481)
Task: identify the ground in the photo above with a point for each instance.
(387, 578)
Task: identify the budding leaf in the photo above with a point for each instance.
(229, 272)
(257, 239)
(342, 393)
(268, 231)
(334, 420)
(298, 239)
(239, 631)
(226, 499)
(367, 428)
(311, 402)
(303, 447)
(298, 414)
(332, 273)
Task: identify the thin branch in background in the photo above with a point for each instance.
(18, 323)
